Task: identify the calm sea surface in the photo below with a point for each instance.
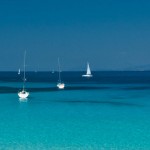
(110, 111)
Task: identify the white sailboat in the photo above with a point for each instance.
(60, 84)
(19, 72)
(88, 72)
(23, 94)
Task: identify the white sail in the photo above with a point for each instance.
(88, 69)
(19, 71)
(88, 72)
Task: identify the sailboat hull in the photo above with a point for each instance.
(61, 85)
(87, 75)
(23, 94)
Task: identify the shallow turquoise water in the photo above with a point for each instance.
(108, 116)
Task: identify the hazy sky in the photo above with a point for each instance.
(110, 34)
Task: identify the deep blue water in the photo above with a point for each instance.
(109, 111)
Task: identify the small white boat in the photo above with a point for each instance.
(23, 94)
(88, 72)
(60, 84)
(19, 72)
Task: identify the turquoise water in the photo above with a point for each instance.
(85, 116)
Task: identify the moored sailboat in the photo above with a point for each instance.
(23, 94)
(60, 84)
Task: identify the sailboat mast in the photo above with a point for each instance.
(59, 70)
(24, 75)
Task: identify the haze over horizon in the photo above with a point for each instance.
(110, 34)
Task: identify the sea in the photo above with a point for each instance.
(110, 111)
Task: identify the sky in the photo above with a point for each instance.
(109, 34)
